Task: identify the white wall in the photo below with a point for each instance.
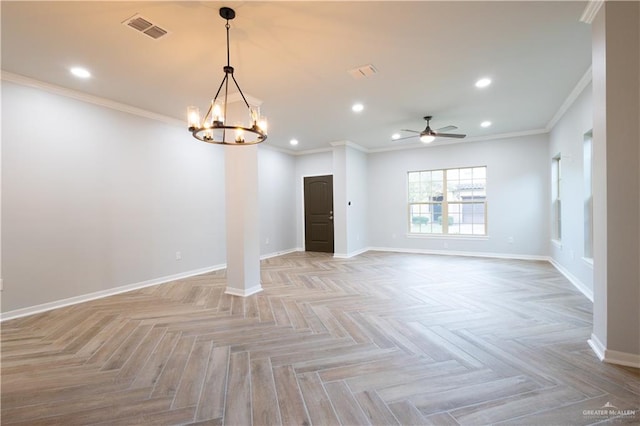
(277, 192)
(567, 139)
(517, 196)
(318, 164)
(340, 199)
(94, 199)
(357, 200)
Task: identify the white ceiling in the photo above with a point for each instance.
(294, 56)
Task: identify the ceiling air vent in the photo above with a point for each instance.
(363, 71)
(145, 26)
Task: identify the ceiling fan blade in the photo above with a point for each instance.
(446, 129)
(449, 135)
(406, 137)
(408, 130)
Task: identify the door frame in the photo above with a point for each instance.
(302, 218)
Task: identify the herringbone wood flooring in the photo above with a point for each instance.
(379, 339)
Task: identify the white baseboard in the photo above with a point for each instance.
(622, 358)
(279, 253)
(31, 310)
(613, 357)
(462, 253)
(352, 254)
(597, 346)
(573, 279)
(243, 293)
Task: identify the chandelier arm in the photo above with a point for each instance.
(240, 90)
(226, 92)
(207, 114)
(226, 76)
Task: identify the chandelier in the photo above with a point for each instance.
(213, 128)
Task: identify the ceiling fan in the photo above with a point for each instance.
(428, 135)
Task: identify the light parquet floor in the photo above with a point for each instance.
(382, 339)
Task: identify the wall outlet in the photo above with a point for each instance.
(393, 235)
(510, 240)
(266, 240)
(446, 245)
(178, 255)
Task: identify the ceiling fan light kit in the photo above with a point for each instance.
(427, 138)
(428, 135)
(213, 128)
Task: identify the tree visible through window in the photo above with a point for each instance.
(450, 201)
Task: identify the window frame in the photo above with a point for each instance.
(587, 149)
(556, 199)
(445, 206)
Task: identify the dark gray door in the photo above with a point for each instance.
(318, 213)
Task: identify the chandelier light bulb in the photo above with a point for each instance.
(216, 113)
(263, 125)
(254, 114)
(193, 117)
(239, 135)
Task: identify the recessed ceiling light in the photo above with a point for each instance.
(80, 72)
(483, 82)
(357, 107)
(395, 136)
(293, 142)
(485, 124)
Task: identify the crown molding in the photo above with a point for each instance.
(577, 90)
(349, 144)
(84, 97)
(590, 11)
(459, 141)
(270, 147)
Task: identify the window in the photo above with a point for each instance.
(588, 195)
(450, 202)
(556, 178)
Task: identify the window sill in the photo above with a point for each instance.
(557, 243)
(449, 237)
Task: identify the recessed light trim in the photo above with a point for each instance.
(395, 136)
(80, 72)
(357, 107)
(483, 82)
(293, 142)
(485, 124)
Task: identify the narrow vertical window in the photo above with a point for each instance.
(588, 195)
(556, 195)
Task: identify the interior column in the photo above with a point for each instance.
(243, 233)
(616, 184)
